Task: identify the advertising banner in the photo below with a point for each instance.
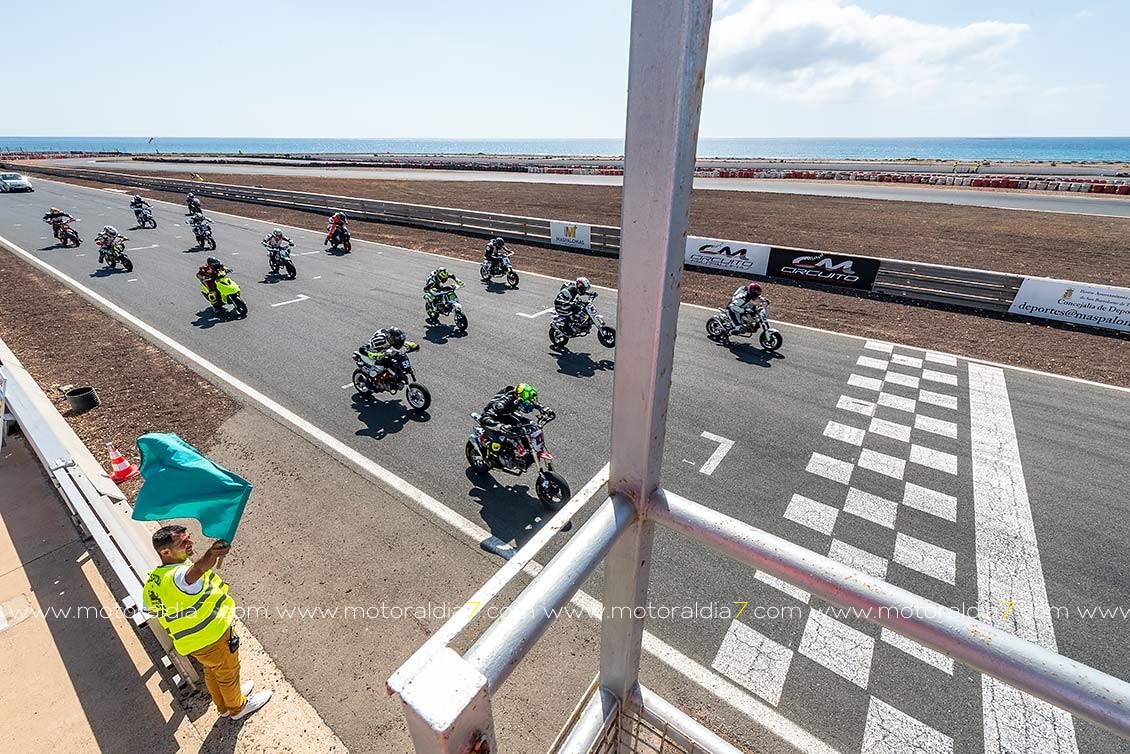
(1082, 303)
(573, 235)
(732, 256)
(820, 268)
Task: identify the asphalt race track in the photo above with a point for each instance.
(887, 457)
(1035, 201)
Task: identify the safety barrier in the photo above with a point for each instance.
(982, 290)
(95, 502)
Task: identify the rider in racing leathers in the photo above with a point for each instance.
(436, 287)
(376, 352)
(568, 303)
(106, 240)
(744, 305)
(137, 204)
(505, 412)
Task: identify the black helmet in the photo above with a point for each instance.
(213, 263)
(497, 243)
(395, 337)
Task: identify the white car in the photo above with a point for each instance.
(14, 182)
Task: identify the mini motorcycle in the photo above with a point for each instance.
(340, 237)
(564, 327)
(390, 377)
(145, 218)
(525, 448)
(446, 302)
(204, 238)
(227, 292)
(66, 234)
(114, 253)
(500, 268)
(279, 256)
(721, 328)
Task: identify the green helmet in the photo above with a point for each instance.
(442, 273)
(526, 394)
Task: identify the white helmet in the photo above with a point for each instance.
(109, 229)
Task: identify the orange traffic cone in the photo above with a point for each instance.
(123, 469)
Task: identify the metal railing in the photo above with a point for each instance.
(447, 697)
(983, 290)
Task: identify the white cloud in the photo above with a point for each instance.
(826, 51)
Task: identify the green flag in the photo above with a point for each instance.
(182, 483)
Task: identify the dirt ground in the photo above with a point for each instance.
(142, 388)
(1053, 348)
(1074, 247)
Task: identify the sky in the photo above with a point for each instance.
(537, 69)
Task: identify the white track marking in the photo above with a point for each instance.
(914, 649)
(934, 459)
(936, 426)
(347, 385)
(753, 660)
(898, 378)
(317, 277)
(936, 562)
(308, 253)
(132, 280)
(877, 510)
(142, 248)
(890, 400)
(783, 586)
(830, 468)
(760, 713)
(876, 345)
(838, 647)
(930, 501)
(847, 403)
(893, 430)
(844, 433)
(301, 297)
(938, 399)
(941, 358)
(1009, 570)
(867, 383)
(534, 316)
(881, 463)
(719, 453)
(935, 376)
(889, 731)
(850, 555)
(81, 255)
(808, 512)
(872, 363)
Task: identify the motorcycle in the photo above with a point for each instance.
(279, 256)
(226, 292)
(500, 268)
(446, 302)
(392, 378)
(66, 234)
(525, 449)
(145, 218)
(204, 238)
(721, 328)
(113, 253)
(340, 237)
(563, 327)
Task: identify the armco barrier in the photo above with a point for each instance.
(914, 281)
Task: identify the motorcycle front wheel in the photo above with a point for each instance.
(553, 490)
(771, 340)
(460, 321)
(512, 279)
(127, 263)
(348, 246)
(291, 271)
(475, 458)
(240, 307)
(211, 244)
(418, 396)
(607, 336)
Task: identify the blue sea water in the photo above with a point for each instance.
(1063, 149)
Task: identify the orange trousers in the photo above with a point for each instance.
(221, 675)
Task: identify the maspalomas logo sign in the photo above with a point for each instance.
(573, 235)
(734, 256)
(1091, 305)
(823, 269)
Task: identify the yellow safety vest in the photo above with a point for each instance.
(193, 620)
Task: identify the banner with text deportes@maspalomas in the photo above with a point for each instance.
(1067, 301)
(573, 235)
(733, 256)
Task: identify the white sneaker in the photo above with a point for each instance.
(254, 702)
(245, 689)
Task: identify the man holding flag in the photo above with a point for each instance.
(190, 599)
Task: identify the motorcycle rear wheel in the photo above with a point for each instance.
(552, 490)
(557, 338)
(362, 384)
(484, 273)
(715, 329)
(418, 396)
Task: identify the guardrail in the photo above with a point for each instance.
(982, 290)
(95, 502)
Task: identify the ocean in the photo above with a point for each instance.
(1062, 149)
